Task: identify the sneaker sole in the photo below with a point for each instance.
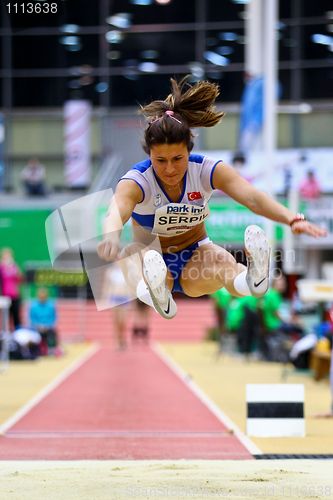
(257, 250)
(154, 272)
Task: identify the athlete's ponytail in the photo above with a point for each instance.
(188, 106)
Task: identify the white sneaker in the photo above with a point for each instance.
(143, 294)
(257, 251)
(154, 272)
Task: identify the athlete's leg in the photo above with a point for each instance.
(148, 278)
(211, 267)
(120, 314)
(131, 260)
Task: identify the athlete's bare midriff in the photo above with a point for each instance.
(173, 243)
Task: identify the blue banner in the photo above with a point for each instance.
(251, 118)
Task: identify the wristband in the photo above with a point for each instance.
(299, 217)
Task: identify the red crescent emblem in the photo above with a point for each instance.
(195, 195)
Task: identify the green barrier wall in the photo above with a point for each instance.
(228, 220)
(24, 232)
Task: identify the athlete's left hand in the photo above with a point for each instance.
(306, 227)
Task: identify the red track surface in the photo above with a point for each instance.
(82, 320)
(121, 405)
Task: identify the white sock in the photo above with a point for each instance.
(240, 284)
(143, 294)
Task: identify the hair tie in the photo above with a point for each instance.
(170, 113)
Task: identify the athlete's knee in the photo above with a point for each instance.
(191, 288)
(225, 259)
(196, 287)
(218, 260)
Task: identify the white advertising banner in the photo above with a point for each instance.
(77, 114)
(290, 168)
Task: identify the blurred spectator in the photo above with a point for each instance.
(325, 345)
(300, 352)
(287, 180)
(25, 344)
(249, 326)
(323, 356)
(276, 329)
(117, 295)
(239, 164)
(33, 178)
(10, 279)
(271, 304)
(309, 188)
(222, 299)
(140, 327)
(238, 161)
(235, 315)
(43, 319)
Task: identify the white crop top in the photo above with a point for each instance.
(158, 213)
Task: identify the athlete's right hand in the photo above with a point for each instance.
(108, 249)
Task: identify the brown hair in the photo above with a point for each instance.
(188, 106)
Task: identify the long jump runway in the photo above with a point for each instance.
(121, 405)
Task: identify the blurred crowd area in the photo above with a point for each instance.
(275, 328)
(32, 323)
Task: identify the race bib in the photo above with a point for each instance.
(177, 218)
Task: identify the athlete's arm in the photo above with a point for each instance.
(228, 180)
(126, 196)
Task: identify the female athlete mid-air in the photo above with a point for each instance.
(167, 195)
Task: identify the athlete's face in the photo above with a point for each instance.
(170, 162)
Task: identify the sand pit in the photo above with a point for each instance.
(94, 480)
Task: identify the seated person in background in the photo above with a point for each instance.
(33, 178)
(25, 344)
(43, 318)
(309, 188)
